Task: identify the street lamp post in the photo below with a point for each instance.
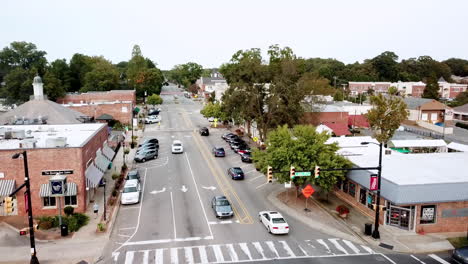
(376, 233)
(104, 182)
(34, 259)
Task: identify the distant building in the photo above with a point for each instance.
(215, 83)
(430, 114)
(363, 87)
(450, 90)
(461, 113)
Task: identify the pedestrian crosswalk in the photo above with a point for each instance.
(241, 252)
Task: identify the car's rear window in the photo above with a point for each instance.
(220, 149)
(237, 170)
(278, 221)
(130, 189)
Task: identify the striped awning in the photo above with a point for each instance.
(108, 152)
(93, 176)
(71, 189)
(6, 187)
(101, 162)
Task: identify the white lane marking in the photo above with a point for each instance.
(123, 235)
(256, 177)
(259, 248)
(245, 166)
(288, 249)
(418, 259)
(310, 243)
(337, 245)
(209, 188)
(174, 256)
(115, 255)
(203, 255)
(218, 253)
(320, 241)
(139, 214)
(159, 257)
(232, 253)
(173, 217)
(391, 261)
(198, 193)
(128, 207)
(261, 185)
(250, 171)
(126, 228)
(368, 249)
(187, 239)
(272, 248)
(226, 222)
(184, 189)
(303, 251)
(438, 258)
(188, 255)
(129, 257)
(246, 250)
(145, 256)
(351, 246)
(156, 191)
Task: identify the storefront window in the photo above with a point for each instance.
(428, 214)
(370, 200)
(49, 201)
(345, 186)
(362, 196)
(352, 189)
(70, 200)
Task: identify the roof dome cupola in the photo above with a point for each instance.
(38, 88)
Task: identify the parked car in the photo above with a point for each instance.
(146, 148)
(148, 141)
(204, 131)
(218, 152)
(133, 175)
(237, 146)
(221, 207)
(246, 157)
(244, 150)
(153, 112)
(153, 119)
(274, 222)
(226, 135)
(146, 155)
(235, 140)
(211, 119)
(231, 137)
(460, 255)
(235, 173)
(177, 147)
(131, 192)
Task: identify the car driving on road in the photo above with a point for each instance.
(218, 152)
(131, 192)
(177, 147)
(235, 173)
(273, 222)
(221, 207)
(204, 131)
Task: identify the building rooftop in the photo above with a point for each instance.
(47, 136)
(426, 143)
(461, 109)
(414, 103)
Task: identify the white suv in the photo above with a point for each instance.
(131, 192)
(177, 146)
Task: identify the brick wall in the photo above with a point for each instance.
(108, 96)
(417, 90)
(316, 118)
(115, 110)
(446, 224)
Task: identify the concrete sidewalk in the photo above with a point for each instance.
(323, 217)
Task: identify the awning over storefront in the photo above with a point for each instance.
(93, 176)
(339, 129)
(6, 187)
(108, 152)
(71, 189)
(101, 162)
(458, 147)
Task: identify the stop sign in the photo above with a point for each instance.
(308, 191)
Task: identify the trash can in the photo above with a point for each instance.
(64, 230)
(368, 229)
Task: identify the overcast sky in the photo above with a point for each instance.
(208, 32)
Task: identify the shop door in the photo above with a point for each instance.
(400, 217)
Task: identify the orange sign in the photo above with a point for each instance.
(308, 191)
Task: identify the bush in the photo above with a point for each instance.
(112, 200)
(126, 151)
(124, 167)
(101, 227)
(461, 125)
(115, 176)
(341, 209)
(46, 222)
(114, 193)
(82, 219)
(68, 210)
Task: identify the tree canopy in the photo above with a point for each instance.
(186, 74)
(154, 99)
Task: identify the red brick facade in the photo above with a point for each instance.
(417, 90)
(44, 159)
(317, 118)
(108, 96)
(119, 111)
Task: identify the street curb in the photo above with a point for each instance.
(17, 230)
(272, 197)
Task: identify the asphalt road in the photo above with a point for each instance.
(174, 222)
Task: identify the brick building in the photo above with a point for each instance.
(78, 151)
(450, 90)
(118, 110)
(423, 192)
(99, 97)
(363, 87)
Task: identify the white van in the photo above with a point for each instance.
(131, 192)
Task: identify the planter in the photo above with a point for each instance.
(343, 216)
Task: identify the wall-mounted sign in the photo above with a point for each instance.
(58, 185)
(427, 214)
(54, 172)
(459, 212)
(373, 185)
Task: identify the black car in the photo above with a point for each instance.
(204, 131)
(218, 152)
(230, 137)
(226, 135)
(246, 157)
(235, 173)
(234, 139)
(460, 255)
(153, 112)
(237, 146)
(133, 175)
(148, 141)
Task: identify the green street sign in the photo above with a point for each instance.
(302, 174)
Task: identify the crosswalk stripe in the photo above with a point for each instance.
(303, 251)
(288, 249)
(174, 257)
(438, 259)
(246, 250)
(321, 242)
(418, 260)
(259, 248)
(145, 256)
(272, 248)
(368, 249)
(203, 255)
(337, 245)
(159, 257)
(129, 257)
(232, 252)
(352, 246)
(218, 253)
(188, 255)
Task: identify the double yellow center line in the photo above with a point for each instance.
(239, 208)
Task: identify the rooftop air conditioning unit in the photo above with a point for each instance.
(388, 152)
(19, 134)
(29, 143)
(8, 135)
(56, 142)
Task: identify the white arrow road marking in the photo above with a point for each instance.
(129, 257)
(184, 189)
(155, 191)
(115, 255)
(209, 188)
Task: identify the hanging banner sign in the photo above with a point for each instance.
(373, 185)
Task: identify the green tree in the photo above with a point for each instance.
(186, 74)
(154, 99)
(432, 89)
(213, 110)
(338, 96)
(458, 67)
(461, 99)
(149, 80)
(386, 116)
(312, 83)
(303, 148)
(386, 66)
(61, 70)
(53, 86)
(103, 77)
(80, 65)
(25, 55)
(18, 85)
(392, 90)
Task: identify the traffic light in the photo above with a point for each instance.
(270, 174)
(292, 171)
(317, 172)
(24, 231)
(8, 205)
